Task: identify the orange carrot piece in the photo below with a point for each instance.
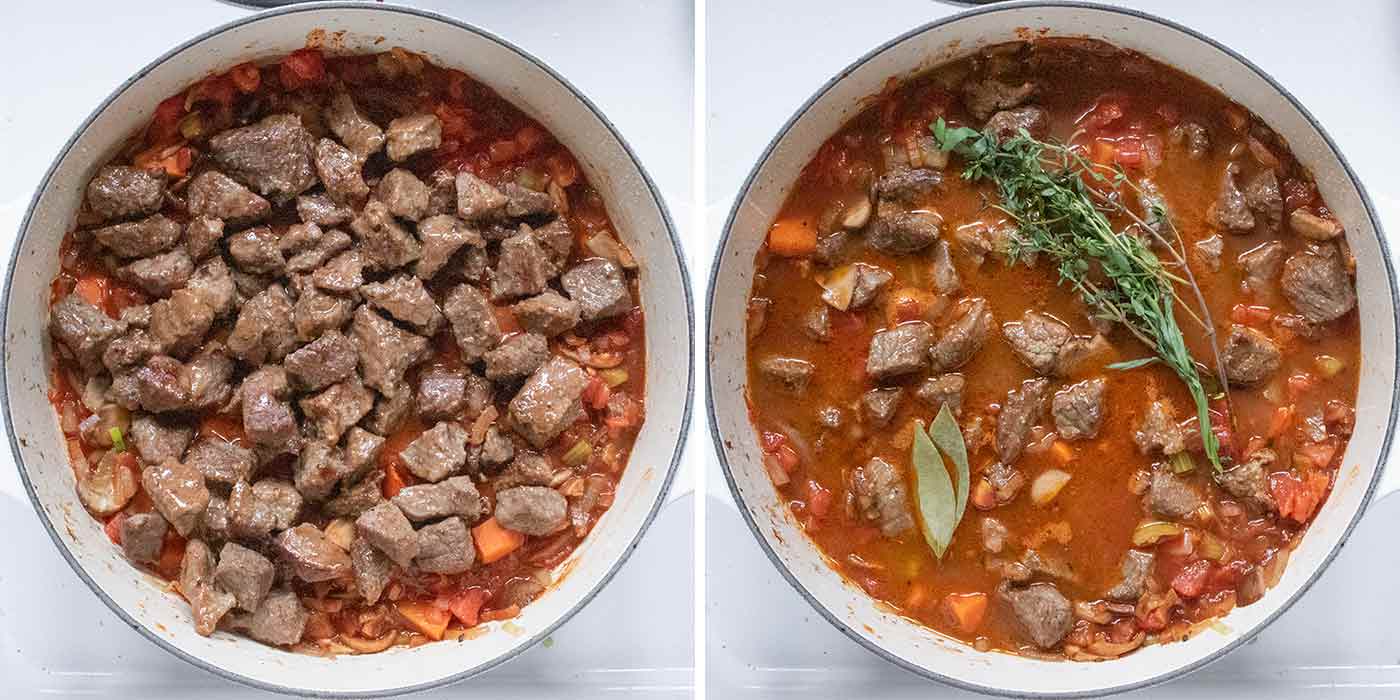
(792, 238)
(494, 542)
(966, 610)
(505, 613)
(425, 617)
(93, 290)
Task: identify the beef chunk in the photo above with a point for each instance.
(317, 313)
(209, 373)
(272, 156)
(1159, 431)
(557, 240)
(178, 492)
(223, 463)
(943, 390)
(157, 439)
(881, 497)
(816, 323)
(879, 405)
(208, 604)
(142, 536)
(472, 264)
(256, 251)
(456, 496)
(280, 620)
(389, 412)
(907, 185)
(519, 355)
(312, 557)
(159, 275)
(244, 573)
(599, 288)
(899, 350)
(1260, 266)
(319, 469)
(963, 336)
(438, 452)
(473, 321)
(945, 275)
(1209, 251)
(217, 196)
(1313, 227)
(533, 510)
(549, 401)
(1042, 614)
(372, 570)
(386, 352)
(139, 239)
(527, 469)
(362, 136)
(522, 269)
(340, 172)
(131, 349)
(1250, 356)
(994, 535)
(1262, 195)
(1249, 482)
(442, 193)
(548, 314)
(214, 524)
(162, 384)
(1230, 210)
(1136, 569)
(523, 202)
(442, 392)
(1019, 413)
(202, 236)
(358, 497)
(904, 232)
(793, 374)
(340, 406)
(405, 298)
(1045, 344)
(385, 527)
(264, 330)
(1078, 409)
(323, 362)
(1194, 136)
(83, 328)
(124, 192)
(321, 210)
(212, 284)
(496, 448)
(362, 449)
(1010, 122)
(309, 248)
(343, 274)
(445, 548)
(831, 248)
(383, 242)
(1318, 286)
(414, 134)
(266, 506)
(442, 235)
(984, 97)
(476, 198)
(1171, 496)
(404, 194)
(267, 415)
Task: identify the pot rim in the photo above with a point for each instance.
(717, 436)
(681, 433)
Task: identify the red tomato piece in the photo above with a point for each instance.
(1191, 580)
(301, 68)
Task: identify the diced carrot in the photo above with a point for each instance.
(93, 290)
(1297, 498)
(965, 610)
(466, 606)
(494, 542)
(1281, 421)
(1062, 452)
(792, 238)
(505, 613)
(246, 77)
(425, 617)
(1191, 580)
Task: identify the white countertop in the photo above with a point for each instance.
(636, 638)
(765, 59)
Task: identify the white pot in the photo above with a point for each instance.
(909, 644)
(636, 209)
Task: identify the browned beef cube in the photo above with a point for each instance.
(1250, 481)
(386, 351)
(405, 298)
(1316, 282)
(208, 603)
(372, 569)
(1171, 496)
(256, 251)
(357, 497)
(899, 350)
(143, 534)
(599, 288)
(319, 469)
(442, 193)
(212, 284)
(267, 415)
(1045, 344)
(389, 412)
(1042, 614)
(124, 192)
(340, 172)
(411, 135)
(496, 448)
(209, 374)
(272, 156)
(943, 390)
(202, 236)
(525, 203)
(343, 274)
(362, 136)
(385, 527)
(557, 240)
(522, 268)
(178, 492)
(263, 507)
(180, 322)
(138, 239)
(162, 384)
(404, 194)
(312, 557)
(962, 337)
(158, 438)
(214, 523)
(130, 350)
(1260, 265)
(442, 392)
(1019, 413)
(244, 573)
(438, 452)
(340, 406)
(280, 620)
(317, 313)
(878, 405)
(264, 331)
(518, 356)
(1078, 409)
(881, 496)
(383, 242)
(215, 195)
(445, 547)
(476, 198)
(533, 510)
(1158, 431)
(904, 232)
(323, 362)
(223, 463)
(84, 329)
(361, 449)
(1250, 356)
(548, 314)
(474, 323)
(456, 496)
(321, 210)
(792, 373)
(317, 248)
(527, 469)
(549, 401)
(442, 235)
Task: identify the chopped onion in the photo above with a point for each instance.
(839, 286)
(604, 245)
(1328, 366)
(1152, 532)
(775, 470)
(341, 531)
(857, 214)
(108, 487)
(1110, 650)
(370, 646)
(1048, 485)
(1212, 548)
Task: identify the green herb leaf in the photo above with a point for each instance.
(942, 499)
(1133, 364)
(117, 440)
(948, 139)
(947, 437)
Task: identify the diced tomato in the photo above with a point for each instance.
(1229, 575)
(1340, 417)
(1154, 609)
(1191, 580)
(597, 393)
(172, 553)
(301, 68)
(1251, 315)
(396, 477)
(113, 527)
(505, 613)
(456, 122)
(1296, 497)
(466, 606)
(772, 441)
(93, 290)
(216, 89)
(1108, 110)
(246, 77)
(165, 125)
(818, 499)
(1318, 455)
(1281, 421)
(1300, 384)
(787, 457)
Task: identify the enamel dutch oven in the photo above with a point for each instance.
(850, 609)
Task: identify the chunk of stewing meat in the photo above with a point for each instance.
(404, 298)
(533, 510)
(1249, 481)
(408, 136)
(372, 570)
(518, 356)
(1078, 409)
(1194, 136)
(456, 496)
(358, 497)
(308, 247)
(339, 170)
(142, 535)
(476, 198)
(1010, 122)
(138, 239)
(1158, 432)
(312, 556)
(968, 328)
(267, 414)
(123, 192)
(437, 453)
(256, 251)
(1020, 412)
(158, 438)
(1316, 282)
(363, 137)
(1262, 194)
(525, 203)
(202, 236)
(222, 463)
(442, 236)
(317, 313)
(208, 603)
(869, 282)
(342, 274)
(1250, 356)
(404, 194)
(879, 405)
(178, 492)
(273, 156)
(1041, 612)
(1230, 210)
(994, 535)
(385, 527)
(943, 390)
(263, 507)
(321, 210)
(280, 620)
(1045, 344)
(881, 498)
(264, 331)
(599, 288)
(319, 469)
(549, 401)
(984, 97)
(338, 407)
(1260, 266)
(907, 185)
(445, 548)
(1313, 227)
(325, 361)
(1135, 569)
(548, 314)
(212, 283)
(83, 328)
(386, 351)
(384, 244)
(904, 232)
(215, 195)
(474, 322)
(898, 351)
(246, 574)
(1171, 496)
(791, 373)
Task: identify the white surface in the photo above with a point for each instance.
(56, 638)
(758, 77)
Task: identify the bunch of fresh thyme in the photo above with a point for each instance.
(1044, 187)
